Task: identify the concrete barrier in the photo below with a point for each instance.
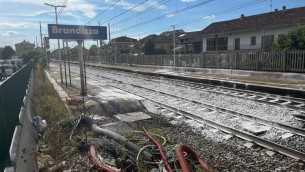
(25, 138)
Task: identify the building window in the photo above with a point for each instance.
(253, 40)
(211, 42)
(214, 44)
(222, 43)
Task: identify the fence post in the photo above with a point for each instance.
(283, 55)
(191, 63)
(203, 62)
(257, 61)
(155, 60)
(235, 60)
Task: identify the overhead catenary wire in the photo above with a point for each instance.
(142, 12)
(200, 18)
(61, 9)
(165, 15)
(103, 11)
(125, 11)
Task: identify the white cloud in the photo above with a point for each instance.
(209, 17)
(154, 3)
(9, 33)
(88, 9)
(170, 15)
(12, 25)
(71, 15)
(188, 0)
(27, 14)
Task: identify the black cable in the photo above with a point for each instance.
(165, 15)
(103, 11)
(142, 12)
(214, 14)
(58, 13)
(125, 11)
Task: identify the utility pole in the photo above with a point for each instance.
(65, 67)
(174, 40)
(109, 31)
(68, 55)
(81, 66)
(58, 43)
(40, 35)
(114, 52)
(98, 50)
(36, 43)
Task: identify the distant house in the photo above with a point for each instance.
(163, 41)
(192, 41)
(251, 32)
(23, 47)
(75, 56)
(1, 49)
(63, 51)
(122, 45)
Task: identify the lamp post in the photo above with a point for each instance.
(46, 47)
(59, 53)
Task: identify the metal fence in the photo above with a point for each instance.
(280, 61)
(12, 92)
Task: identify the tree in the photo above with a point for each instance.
(7, 52)
(149, 47)
(38, 57)
(93, 50)
(293, 40)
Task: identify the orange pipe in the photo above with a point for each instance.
(96, 162)
(167, 166)
(183, 162)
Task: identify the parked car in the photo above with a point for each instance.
(9, 70)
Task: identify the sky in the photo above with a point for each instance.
(20, 19)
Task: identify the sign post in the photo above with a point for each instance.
(81, 66)
(78, 33)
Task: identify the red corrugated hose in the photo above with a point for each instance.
(96, 162)
(167, 166)
(183, 162)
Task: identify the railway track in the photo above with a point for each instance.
(288, 102)
(174, 103)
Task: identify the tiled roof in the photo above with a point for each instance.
(24, 43)
(124, 39)
(190, 37)
(285, 17)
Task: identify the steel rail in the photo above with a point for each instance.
(249, 95)
(294, 130)
(241, 134)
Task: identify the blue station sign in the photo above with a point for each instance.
(57, 31)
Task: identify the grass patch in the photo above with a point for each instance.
(48, 104)
(50, 107)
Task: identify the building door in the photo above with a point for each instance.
(267, 42)
(237, 43)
